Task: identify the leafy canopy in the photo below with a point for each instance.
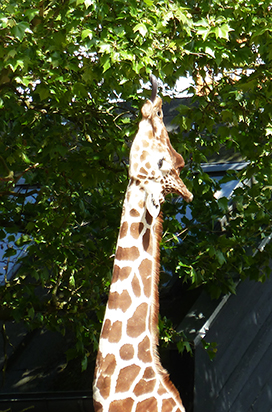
(67, 71)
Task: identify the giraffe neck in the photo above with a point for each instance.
(134, 288)
(128, 369)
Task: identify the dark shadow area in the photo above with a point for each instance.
(181, 371)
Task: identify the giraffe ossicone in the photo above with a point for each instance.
(128, 374)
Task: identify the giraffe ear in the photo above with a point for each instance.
(153, 205)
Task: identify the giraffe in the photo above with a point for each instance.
(128, 374)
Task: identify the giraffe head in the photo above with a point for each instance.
(154, 164)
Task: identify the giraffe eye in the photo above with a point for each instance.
(160, 162)
(159, 113)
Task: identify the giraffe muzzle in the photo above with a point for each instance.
(181, 189)
(185, 193)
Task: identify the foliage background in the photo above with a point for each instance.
(71, 73)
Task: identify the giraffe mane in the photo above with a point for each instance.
(154, 326)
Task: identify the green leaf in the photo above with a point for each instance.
(223, 204)
(106, 63)
(84, 363)
(25, 158)
(268, 131)
(211, 348)
(23, 240)
(105, 48)
(20, 29)
(15, 64)
(88, 75)
(10, 252)
(181, 16)
(224, 31)
(72, 282)
(220, 257)
(31, 312)
(43, 91)
(87, 33)
(141, 28)
(31, 13)
(4, 22)
(203, 32)
(149, 3)
(2, 234)
(88, 3)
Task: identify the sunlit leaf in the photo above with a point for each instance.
(141, 28)
(20, 29)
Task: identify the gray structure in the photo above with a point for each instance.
(239, 379)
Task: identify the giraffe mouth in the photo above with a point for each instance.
(185, 194)
(181, 189)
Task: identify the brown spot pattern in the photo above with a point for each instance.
(136, 229)
(161, 390)
(112, 332)
(106, 329)
(103, 384)
(123, 230)
(123, 405)
(149, 373)
(168, 405)
(148, 165)
(147, 242)
(150, 134)
(99, 359)
(145, 270)
(148, 217)
(142, 171)
(144, 387)
(125, 272)
(116, 332)
(97, 406)
(137, 323)
(115, 274)
(144, 353)
(126, 377)
(127, 253)
(126, 352)
(134, 213)
(148, 405)
(136, 286)
(119, 300)
(121, 274)
(108, 366)
(144, 155)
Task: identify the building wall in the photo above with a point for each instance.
(239, 379)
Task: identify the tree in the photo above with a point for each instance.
(70, 75)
